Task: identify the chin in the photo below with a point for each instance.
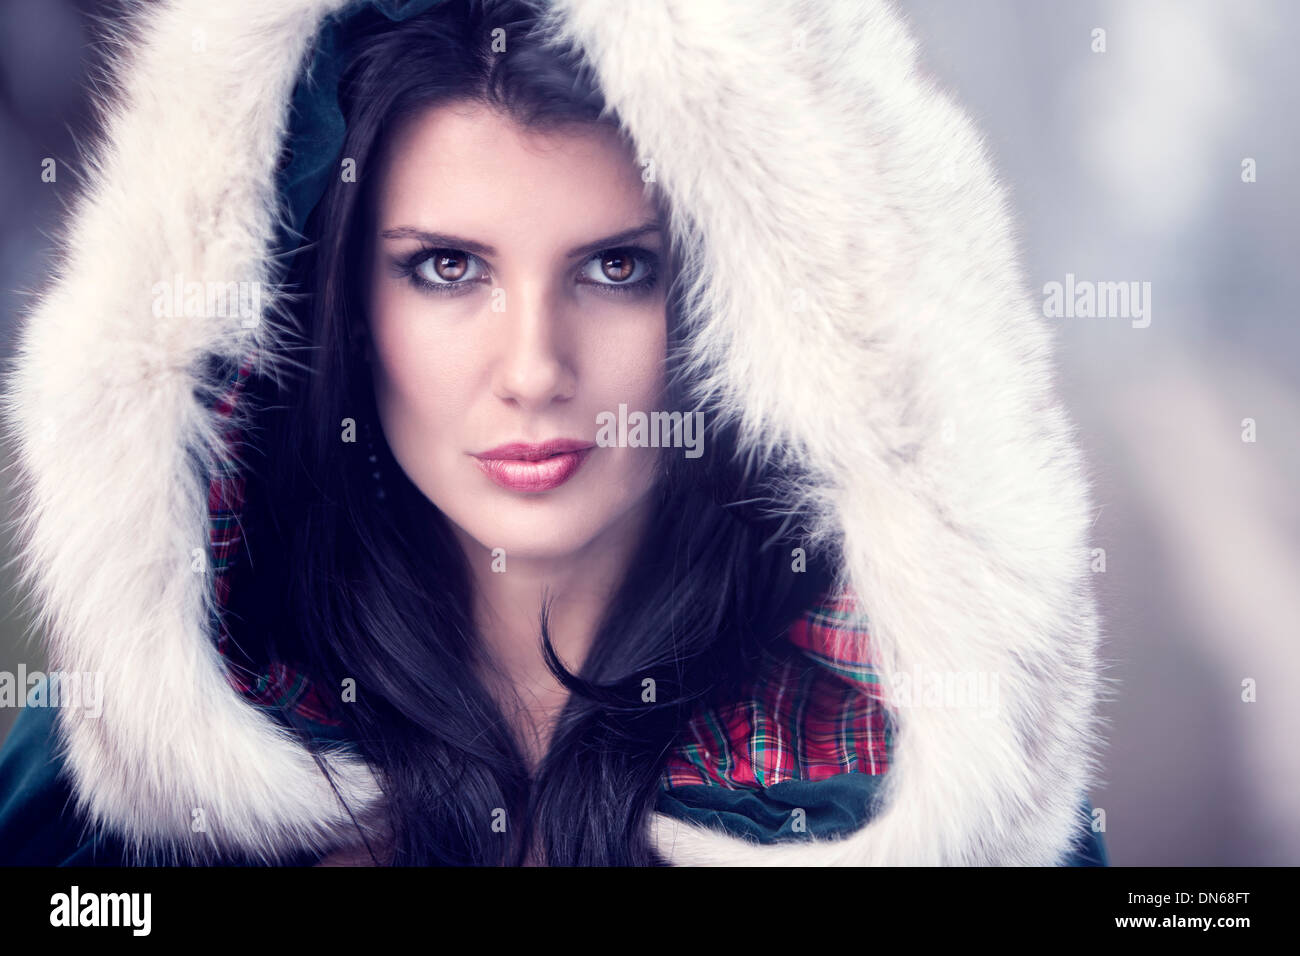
(555, 534)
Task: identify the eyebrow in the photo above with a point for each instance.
(444, 241)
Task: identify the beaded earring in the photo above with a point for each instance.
(372, 460)
(358, 341)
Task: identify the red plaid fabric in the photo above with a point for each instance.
(807, 719)
(279, 685)
(815, 716)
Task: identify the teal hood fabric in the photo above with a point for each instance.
(316, 128)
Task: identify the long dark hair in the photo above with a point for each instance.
(377, 589)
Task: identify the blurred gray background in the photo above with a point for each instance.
(1123, 166)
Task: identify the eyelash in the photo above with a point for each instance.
(407, 269)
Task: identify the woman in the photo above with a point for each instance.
(385, 567)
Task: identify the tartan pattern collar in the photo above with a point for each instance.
(812, 717)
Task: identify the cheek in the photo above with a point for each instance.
(627, 365)
(628, 369)
(422, 377)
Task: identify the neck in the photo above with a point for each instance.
(507, 612)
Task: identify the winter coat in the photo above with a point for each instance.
(918, 384)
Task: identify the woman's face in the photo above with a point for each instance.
(515, 294)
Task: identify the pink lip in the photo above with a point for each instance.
(519, 466)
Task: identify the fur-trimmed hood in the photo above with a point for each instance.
(917, 384)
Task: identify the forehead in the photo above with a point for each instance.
(469, 169)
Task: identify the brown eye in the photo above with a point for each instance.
(617, 266)
(450, 267)
(621, 271)
(445, 268)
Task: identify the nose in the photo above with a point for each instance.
(535, 366)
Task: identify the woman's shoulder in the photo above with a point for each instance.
(39, 824)
(808, 748)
